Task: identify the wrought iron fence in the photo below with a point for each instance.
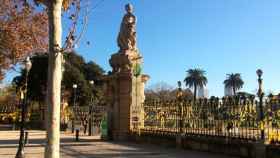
(82, 114)
(227, 117)
(8, 113)
(8, 108)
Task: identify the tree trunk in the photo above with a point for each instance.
(234, 90)
(194, 93)
(54, 80)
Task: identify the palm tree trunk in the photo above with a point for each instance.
(194, 93)
(54, 80)
(234, 90)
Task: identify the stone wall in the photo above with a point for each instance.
(234, 147)
(273, 151)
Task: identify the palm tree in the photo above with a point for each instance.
(234, 81)
(195, 77)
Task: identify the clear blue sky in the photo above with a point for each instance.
(219, 36)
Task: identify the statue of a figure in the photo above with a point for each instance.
(127, 34)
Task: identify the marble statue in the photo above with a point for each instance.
(127, 35)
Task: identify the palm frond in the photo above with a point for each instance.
(195, 77)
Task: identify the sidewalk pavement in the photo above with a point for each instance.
(92, 147)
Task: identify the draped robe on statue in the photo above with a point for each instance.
(127, 34)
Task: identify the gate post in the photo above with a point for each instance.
(125, 84)
(126, 92)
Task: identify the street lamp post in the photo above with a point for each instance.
(179, 97)
(20, 152)
(90, 110)
(260, 95)
(74, 107)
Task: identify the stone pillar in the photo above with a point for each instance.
(125, 85)
(125, 88)
(138, 98)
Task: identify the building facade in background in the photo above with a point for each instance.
(202, 92)
(228, 91)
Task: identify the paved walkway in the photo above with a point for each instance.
(92, 147)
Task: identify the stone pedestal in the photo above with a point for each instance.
(125, 90)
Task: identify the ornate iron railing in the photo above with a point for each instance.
(83, 113)
(227, 117)
(8, 108)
